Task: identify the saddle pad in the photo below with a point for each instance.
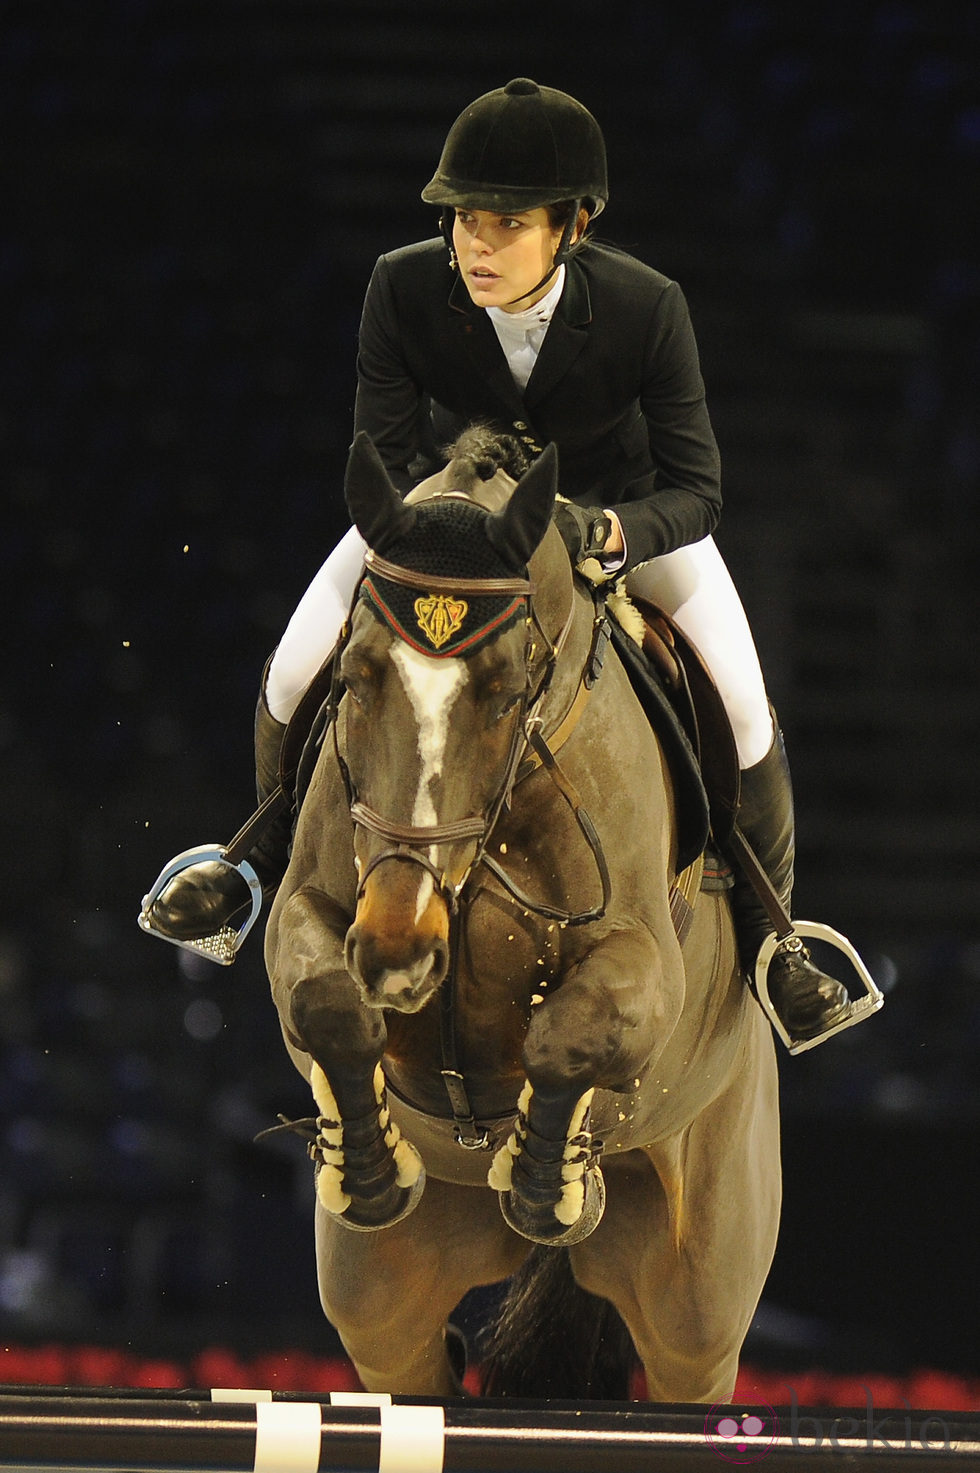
(689, 791)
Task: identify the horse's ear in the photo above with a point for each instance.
(517, 529)
(377, 510)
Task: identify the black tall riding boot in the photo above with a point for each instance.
(808, 1002)
(205, 898)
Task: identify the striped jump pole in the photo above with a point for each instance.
(349, 1432)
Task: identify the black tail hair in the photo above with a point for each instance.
(553, 1339)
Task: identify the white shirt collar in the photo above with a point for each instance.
(530, 318)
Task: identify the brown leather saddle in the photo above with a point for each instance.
(683, 705)
(700, 710)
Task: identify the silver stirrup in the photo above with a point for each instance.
(223, 945)
(860, 1007)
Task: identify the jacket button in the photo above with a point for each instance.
(519, 424)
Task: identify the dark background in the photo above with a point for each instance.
(194, 195)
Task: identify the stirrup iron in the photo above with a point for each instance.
(860, 1007)
(223, 946)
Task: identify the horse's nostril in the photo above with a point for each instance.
(440, 962)
(350, 948)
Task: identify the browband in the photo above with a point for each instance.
(440, 583)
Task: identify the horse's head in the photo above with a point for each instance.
(439, 669)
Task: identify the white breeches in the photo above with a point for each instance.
(692, 585)
(695, 588)
(314, 628)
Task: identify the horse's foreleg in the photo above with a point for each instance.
(595, 1031)
(547, 1174)
(367, 1177)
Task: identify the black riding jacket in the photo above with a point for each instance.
(617, 387)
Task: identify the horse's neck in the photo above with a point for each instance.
(459, 478)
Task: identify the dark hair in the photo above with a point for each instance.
(565, 211)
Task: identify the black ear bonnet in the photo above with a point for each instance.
(449, 540)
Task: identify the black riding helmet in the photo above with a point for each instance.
(518, 148)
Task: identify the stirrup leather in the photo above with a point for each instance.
(223, 946)
(860, 1007)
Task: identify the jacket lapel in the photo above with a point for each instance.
(473, 329)
(566, 336)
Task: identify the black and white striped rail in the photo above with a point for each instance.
(261, 1432)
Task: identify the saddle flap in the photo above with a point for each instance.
(700, 709)
(689, 791)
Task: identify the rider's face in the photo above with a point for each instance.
(501, 257)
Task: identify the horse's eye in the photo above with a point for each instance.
(359, 680)
(360, 674)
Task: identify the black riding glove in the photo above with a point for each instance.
(584, 529)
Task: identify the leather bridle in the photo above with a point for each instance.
(529, 749)
(407, 843)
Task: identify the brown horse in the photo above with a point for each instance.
(478, 963)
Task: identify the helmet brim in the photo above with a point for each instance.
(463, 195)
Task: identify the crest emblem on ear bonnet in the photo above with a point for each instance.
(444, 538)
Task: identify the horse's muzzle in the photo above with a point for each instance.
(389, 981)
(397, 950)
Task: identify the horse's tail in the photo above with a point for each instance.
(551, 1338)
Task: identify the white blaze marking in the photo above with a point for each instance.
(432, 687)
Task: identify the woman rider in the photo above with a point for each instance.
(526, 324)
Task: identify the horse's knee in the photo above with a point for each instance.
(299, 1012)
(584, 1039)
(320, 1023)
